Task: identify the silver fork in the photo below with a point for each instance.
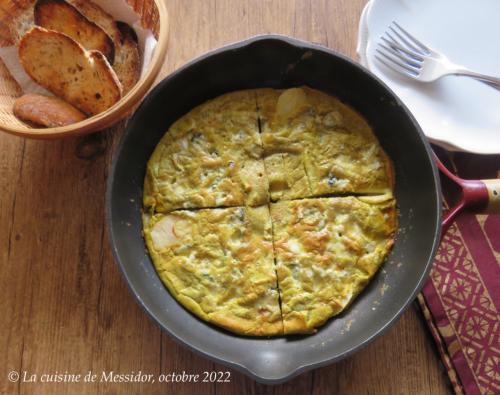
(403, 53)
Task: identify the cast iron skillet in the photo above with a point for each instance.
(280, 62)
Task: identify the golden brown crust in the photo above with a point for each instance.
(128, 60)
(58, 63)
(61, 16)
(46, 111)
(247, 327)
(127, 64)
(23, 20)
(97, 15)
(295, 323)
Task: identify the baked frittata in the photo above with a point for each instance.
(242, 216)
(218, 263)
(326, 251)
(283, 143)
(211, 157)
(330, 147)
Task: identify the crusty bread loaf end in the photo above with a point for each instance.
(46, 111)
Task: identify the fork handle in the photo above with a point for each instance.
(494, 82)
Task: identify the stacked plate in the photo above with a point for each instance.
(455, 112)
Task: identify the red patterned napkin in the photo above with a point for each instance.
(461, 300)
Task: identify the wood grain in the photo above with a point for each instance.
(64, 304)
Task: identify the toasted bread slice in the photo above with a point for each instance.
(83, 78)
(23, 21)
(127, 57)
(61, 16)
(46, 111)
(100, 17)
(128, 61)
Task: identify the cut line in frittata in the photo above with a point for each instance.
(307, 212)
(326, 250)
(219, 264)
(315, 145)
(209, 157)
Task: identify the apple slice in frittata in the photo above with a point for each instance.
(326, 251)
(283, 144)
(218, 263)
(211, 157)
(343, 155)
(332, 148)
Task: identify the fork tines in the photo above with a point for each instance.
(401, 52)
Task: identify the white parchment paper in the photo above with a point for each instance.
(120, 10)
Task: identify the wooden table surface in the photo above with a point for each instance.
(64, 306)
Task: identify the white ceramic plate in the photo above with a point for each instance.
(456, 112)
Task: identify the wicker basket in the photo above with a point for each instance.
(153, 16)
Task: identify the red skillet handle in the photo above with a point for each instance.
(482, 196)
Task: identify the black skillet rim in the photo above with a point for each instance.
(303, 45)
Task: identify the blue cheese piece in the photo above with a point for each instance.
(326, 251)
(219, 264)
(330, 145)
(210, 157)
